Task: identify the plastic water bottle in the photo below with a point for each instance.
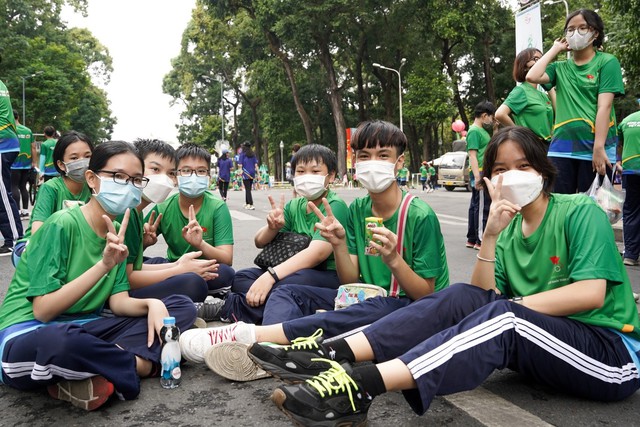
(170, 358)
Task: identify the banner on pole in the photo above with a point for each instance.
(350, 131)
(529, 29)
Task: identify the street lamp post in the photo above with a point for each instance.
(24, 118)
(282, 160)
(222, 107)
(402, 62)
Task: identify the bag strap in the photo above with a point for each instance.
(394, 287)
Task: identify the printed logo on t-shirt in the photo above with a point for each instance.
(559, 273)
(71, 203)
(592, 80)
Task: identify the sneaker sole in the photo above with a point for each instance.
(279, 373)
(97, 387)
(278, 397)
(230, 361)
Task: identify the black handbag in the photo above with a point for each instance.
(285, 245)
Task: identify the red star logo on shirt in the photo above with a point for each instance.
(204, 229)
(590, 76)
(555, 260)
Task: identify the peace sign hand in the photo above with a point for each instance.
(115, 250)
(192, 232)
(501, 211)
(330, 228)
(149, 235)
(275, 218)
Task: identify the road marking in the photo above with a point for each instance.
(452, 217)
(492, 410)
(241, 216)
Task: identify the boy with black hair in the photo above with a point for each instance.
(411, 263)
(188, 275)
(195, 222)
(477, 140)
(47, 164)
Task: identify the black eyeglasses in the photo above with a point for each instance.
(581, 30)
(189, 172)
(124, 178)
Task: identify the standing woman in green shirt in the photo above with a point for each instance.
(526, 105)
(51, 334)
(71, 159)
(584, 135)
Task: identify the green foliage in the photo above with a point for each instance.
(62, 94)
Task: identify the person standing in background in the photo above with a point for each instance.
(249, 163)
(584, 136)
(630, 137)
(526, 105)
(225, 164)
(424, 176)
(477, 140)
(47, 165)
(22, 166)
(10, 225)
(433, 178)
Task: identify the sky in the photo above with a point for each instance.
(142, 37)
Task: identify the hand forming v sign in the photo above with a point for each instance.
(275, 219)
(115, 250)
(192, 232)
(501, 212)
(330, 228)
(149, 236)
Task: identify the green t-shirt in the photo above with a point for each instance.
(62, 250)
(133, 238)
(46, 158)
(577, 90)
(478, 139)
(8, 135)
(423, 172)
(532, 109)
(402, 173)
(25, 136)
(573, 242)
(423, 247)
(432, 170)
(54, 196)
(213, 217)
(630, 131)
(297, 220)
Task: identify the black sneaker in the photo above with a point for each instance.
(209, 310)
(303, 359)
(333, 398)
(6, 250)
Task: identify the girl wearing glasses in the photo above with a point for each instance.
(584, 135)
(50, 332)
(526, 105)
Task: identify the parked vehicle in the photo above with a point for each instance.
(453, 170)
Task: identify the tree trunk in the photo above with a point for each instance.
(488, 76)
(451, 71)
(335, 100)
(274, 45)
(427, 141)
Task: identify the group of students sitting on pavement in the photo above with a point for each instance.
(546, 298)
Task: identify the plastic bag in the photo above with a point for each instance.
(607, 197)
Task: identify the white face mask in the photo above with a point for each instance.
(158, 188)
(310, 186)
(376, 175)
(578, 41)
(519, 187)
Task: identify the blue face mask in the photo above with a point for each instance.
(116, 198)
(193, 186)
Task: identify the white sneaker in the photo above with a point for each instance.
(251, 207)
(195, 342)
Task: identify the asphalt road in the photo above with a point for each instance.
(506, 398)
